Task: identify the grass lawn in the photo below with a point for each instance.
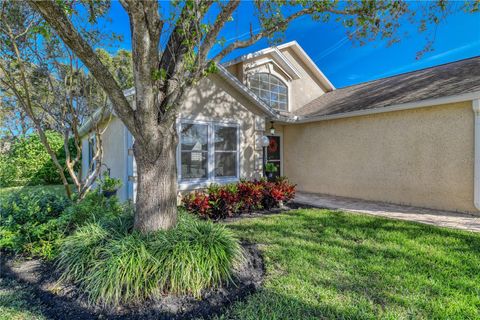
(4, 192)
(16, 302)
(323, 264)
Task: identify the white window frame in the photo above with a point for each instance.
(91, 146)
(185, 184)
(279, 78)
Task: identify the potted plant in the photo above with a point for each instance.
(109, 185)
(270, 169)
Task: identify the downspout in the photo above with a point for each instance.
(476, 170)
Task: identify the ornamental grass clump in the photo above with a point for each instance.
(195, 255)
(114, 266)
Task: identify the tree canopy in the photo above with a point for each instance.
(175, 44)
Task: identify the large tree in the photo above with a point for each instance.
(43, 86)
(172, 50)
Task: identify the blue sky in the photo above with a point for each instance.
(340, 60)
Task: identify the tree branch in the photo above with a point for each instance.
(57, 18)
(264, 33)
(279, 26)
(212, 34)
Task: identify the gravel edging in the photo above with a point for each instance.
(66, 301)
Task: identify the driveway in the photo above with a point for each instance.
(428, 216)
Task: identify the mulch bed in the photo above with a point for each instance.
(66, 302)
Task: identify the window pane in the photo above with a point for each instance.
(270, 89)
(225, 138)
(226, 164)
(254, 83)
(264, 85)
(194, 165)
(262, 94)
(274, 81)
(263, 77)
(194, 137)
(274, 97)
(276, 88)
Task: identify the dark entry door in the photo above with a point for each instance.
(274, 154)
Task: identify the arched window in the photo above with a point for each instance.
(270, 89)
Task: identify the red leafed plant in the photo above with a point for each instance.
(251, 195)
(197, 203)
(224, 201)
(219, 202)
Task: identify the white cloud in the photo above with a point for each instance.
(424, 62)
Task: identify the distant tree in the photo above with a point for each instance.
(44, 86)
(13, 121)
(173, 51)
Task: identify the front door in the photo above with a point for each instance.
(274, 154)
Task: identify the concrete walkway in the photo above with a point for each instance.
(422, 215)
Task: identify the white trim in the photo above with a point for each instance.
(396, 107)
(476, 185)
(260, 63)
(131, 169)
(211, 179)
(233, 81)
(287, 68)
(298, 50)
(309, 62)
(125, 158)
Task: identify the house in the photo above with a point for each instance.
(408, 139)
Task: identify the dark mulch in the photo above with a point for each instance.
(66, 302)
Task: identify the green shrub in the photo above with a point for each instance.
(33, 222)
(28, 162)
(94, 207)
(113, 266)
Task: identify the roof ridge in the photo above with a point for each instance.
(412, 71)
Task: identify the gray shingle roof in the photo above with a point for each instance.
(441, 81)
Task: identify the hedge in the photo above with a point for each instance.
(28, 162)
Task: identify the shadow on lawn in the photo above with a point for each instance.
(381, 264)
(270, 304)
(57, 301)
(50, 302)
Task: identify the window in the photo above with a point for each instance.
(270, 89)
(208, 151)
(194, 151)
(225, 151)
(91, 153)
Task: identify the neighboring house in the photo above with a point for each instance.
(408, 139)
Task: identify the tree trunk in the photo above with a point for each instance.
(156, 206)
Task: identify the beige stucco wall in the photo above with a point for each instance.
(422, 157)
(212, 99)
(300, 91)
(215, 100)
(307, 87)
(114, 152)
